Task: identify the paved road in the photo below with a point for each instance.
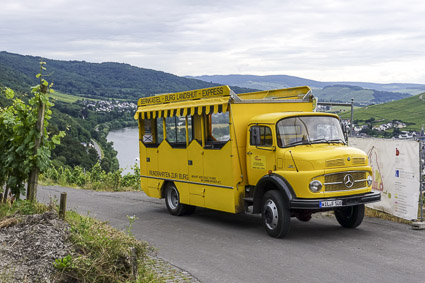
(220, 247)
(97, 148)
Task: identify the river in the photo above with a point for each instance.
(126, 143)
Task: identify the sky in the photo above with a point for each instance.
(325, 40)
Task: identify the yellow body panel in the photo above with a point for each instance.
(310, 160)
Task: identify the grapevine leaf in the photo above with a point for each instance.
(9, 93)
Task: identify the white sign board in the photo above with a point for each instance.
(396, 174)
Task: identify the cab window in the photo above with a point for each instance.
(261, 136)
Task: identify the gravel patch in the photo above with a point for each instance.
(30, 244)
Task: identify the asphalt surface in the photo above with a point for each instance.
(221, 247)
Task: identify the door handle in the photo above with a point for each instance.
(249, 153)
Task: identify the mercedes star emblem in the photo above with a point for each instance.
(348, 181)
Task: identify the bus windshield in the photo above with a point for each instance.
(309, 130)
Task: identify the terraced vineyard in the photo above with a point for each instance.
(410, 110)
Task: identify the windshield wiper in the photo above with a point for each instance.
(337, 141)
(328, 141)
(319, 140)
(300, 142)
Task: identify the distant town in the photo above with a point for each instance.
(109, 105)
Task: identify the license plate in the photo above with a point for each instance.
(330, 203)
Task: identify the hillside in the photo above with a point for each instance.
(282, 81)
(261, 82)
(408, 110)
(344, 93)
(95, 80)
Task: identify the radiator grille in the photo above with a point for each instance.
(359, 161)
(335, 162)
(336, 182)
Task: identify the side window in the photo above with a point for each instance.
(217, 130)
(159, 130)
(152, 131)
(176, 130)
(148, 131)
(261, 136)
(220, 126)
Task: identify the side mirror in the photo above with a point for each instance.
(255, 135)
(345, 131)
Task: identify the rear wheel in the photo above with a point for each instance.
(350, 216)
(172, 201)
(275, 213)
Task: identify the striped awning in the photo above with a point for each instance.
(195, 107)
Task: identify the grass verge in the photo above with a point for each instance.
(101, 253)
(104, 254)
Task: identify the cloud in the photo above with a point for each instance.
(379, 41)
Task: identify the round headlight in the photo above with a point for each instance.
(315, 186)
(369, 180)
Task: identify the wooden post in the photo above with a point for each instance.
(133, 263)
(62, 206)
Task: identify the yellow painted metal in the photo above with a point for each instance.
(164, 128)
(310, 160)
(287, 93)
(218, 91)
(170, 108)
(260, 160)
(216, 177)
(187, 130)
(216, 165)
(203, 129)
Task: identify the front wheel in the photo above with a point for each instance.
(350, 216)
(172, 201)
(275, 214)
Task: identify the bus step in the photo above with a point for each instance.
(249, 201)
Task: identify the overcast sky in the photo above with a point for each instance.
(325, 40)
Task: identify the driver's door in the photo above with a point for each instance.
(260, 150)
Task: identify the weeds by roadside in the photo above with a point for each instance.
(104, 254)
(95, 179)
(100, 253)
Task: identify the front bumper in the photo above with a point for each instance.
(315, 204)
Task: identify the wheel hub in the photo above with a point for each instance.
(270, 214)
(173, 198)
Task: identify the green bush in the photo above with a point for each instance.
(95, 179)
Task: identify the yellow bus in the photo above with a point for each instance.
(265, 152)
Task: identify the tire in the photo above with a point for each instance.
(350, 216)
(275, 214)
(172, 201)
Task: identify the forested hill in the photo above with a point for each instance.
(95, 80)
(282, 81)
(344, 93)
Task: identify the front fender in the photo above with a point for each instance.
(272, 182)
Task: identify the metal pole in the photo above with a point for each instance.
(421, 182)
(352, 115)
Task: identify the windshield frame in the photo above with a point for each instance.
(304, 137)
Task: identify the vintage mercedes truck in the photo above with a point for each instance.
(266, 152)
